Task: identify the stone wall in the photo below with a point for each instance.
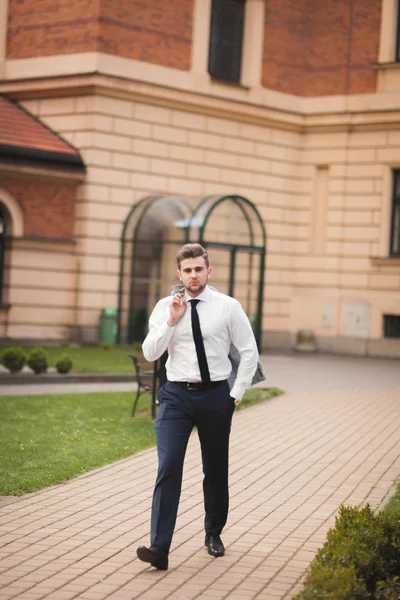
(325, 200)
(133, 149)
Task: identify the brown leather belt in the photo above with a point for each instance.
(198, 385)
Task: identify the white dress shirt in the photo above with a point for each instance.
(222, 322)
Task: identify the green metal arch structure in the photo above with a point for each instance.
(3, 232)
(157, 226)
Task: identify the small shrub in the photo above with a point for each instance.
(106, 346)
(391, 524)
(37, 361)
(360, 559)
(388, 589)
(64, 344)
(358, 539)
(333, 583)
(64, 364)
(13, 359)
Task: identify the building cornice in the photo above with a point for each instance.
(132, 80)
(127, 89)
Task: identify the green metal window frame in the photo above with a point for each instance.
(240, 201)
(3, 223)
(138, 212)
(226, 44)
(394, 250)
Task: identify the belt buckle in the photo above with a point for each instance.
(191, 386)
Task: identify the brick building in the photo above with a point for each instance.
(292, 105)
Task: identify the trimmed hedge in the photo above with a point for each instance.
(38, 361)
(360, 559)
(13, 359)
(64, 364)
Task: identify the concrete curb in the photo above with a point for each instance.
(48, 378)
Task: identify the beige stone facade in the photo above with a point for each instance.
(319, 170)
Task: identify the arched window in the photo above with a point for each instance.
(11, 227)
(3, 232)
(154, 230)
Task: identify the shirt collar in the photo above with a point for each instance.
(204, 296)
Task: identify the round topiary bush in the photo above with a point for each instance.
(37, 361)
(64, 364)
(13, 359)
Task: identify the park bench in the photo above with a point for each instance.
(149, 378)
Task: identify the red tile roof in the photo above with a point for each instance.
(22, 133)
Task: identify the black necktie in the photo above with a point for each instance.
(198, 342)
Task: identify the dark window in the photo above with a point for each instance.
(391, 326)
(226, 39)
(2, 249)
(395, 224)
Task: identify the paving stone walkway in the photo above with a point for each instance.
(332, 439)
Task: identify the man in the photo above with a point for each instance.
(197, 326)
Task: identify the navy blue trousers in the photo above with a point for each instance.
(179, 411)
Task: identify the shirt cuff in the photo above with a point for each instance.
(237, 392)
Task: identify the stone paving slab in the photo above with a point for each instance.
(302, 372)
(294, 460)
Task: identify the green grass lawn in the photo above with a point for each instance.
(392, 508)
(49, 439)
(90, 359)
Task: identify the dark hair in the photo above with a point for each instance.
(191, 251)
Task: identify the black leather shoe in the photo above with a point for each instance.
(154, 555)
(214, 545)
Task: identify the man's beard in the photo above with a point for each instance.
(195, 288)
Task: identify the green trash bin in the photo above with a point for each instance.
(108, 325)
